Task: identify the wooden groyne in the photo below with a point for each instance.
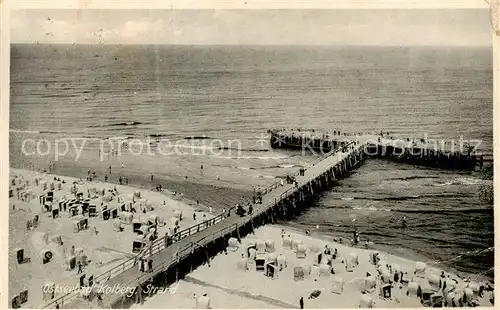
(177, 256)
(377, 146)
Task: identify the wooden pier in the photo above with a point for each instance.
(176, 256)
(423, 153)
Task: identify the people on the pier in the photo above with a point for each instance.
(403, 221)
(240, 210)
(150, 265)
(82, 278)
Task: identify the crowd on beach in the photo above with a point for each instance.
(88, 208)
(302, 273)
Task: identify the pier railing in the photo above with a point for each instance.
(180, 255)
(166, 241)
(155, 247)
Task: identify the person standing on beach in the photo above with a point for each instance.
(301, 302)
(152, 177)
(105, 178)
(120, 180)
(109, 169)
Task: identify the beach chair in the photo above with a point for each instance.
(260, 261)
(16, 302)
(271, 270)
(337, 285)
(23, 296)
(138, 245)
(301, 251)
(270, 248)
(298, 274)
(233, 244)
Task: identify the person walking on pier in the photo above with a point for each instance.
(141, 265)
(150, 265)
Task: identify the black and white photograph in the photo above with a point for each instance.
(250, 158)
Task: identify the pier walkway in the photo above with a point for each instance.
(190, 247)
(166, 255)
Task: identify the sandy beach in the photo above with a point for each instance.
(218, 184)
(230, 285)
(145, 149)
(101, 243)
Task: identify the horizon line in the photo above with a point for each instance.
(255, 45)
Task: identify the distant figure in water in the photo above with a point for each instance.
(403, 222)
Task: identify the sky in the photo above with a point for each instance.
(381, 27)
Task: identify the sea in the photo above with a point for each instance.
(227, 93)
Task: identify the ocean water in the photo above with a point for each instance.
(238, 92)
